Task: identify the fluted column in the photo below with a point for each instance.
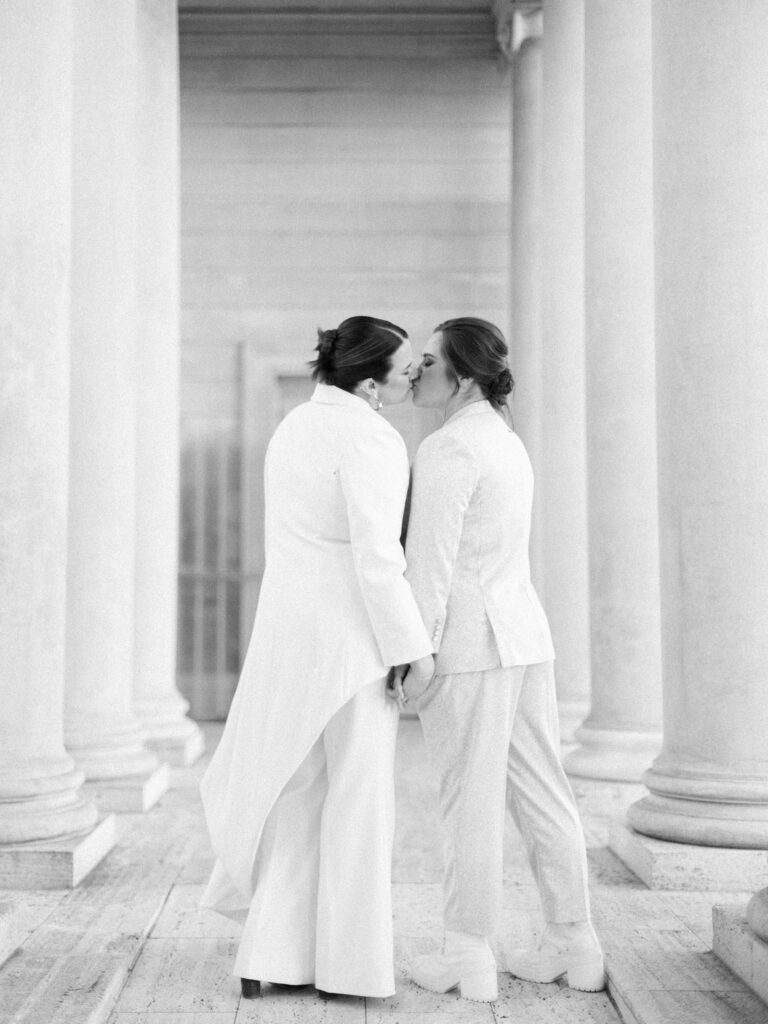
(622, 734)
(101, 730)
(710, 783)
(523, 47)
(160, 706)
(39, 783)
(563, 477)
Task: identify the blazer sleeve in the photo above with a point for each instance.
(444, 478)
(374, 479)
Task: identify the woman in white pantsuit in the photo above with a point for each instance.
(299, 796)
(489, 715)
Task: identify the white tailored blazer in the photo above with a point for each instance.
(467, 545)
(334, 612)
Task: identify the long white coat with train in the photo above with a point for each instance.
(334, 613)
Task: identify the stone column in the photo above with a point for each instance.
(101, 730)
(40, 796)
(622, 733)
(160, 706)
(710, 783)
(520, 40)
(562, 479)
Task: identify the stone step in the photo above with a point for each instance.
(740, 949)
(661, 968)
(130, 793)
(12, 931)
(56, 863)
(664, 865)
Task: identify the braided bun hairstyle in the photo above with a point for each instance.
(359, 348)
(476, 348)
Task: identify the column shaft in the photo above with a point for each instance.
(101, 730)
(563, 480)
(526, 270)
(622, 733)
(161, 708)
(39, 785)
(710, 783)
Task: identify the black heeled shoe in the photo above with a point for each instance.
(250, 989)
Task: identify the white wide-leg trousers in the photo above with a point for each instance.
(494, 739)
(322, 906)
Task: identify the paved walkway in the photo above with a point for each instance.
(129, 946)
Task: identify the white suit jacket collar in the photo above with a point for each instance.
(328, 394)
(473, 409)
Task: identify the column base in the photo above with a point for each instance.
(700, 821)
(168, 731)
(42, 799)
(12, 932)
(104, 764)
(133, 794)
(178, 751)
(56, 863)
(571, 714)
(614, 755)
(745, 953)
(668, 865)
(108, 749)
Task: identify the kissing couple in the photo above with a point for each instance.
(299, 796)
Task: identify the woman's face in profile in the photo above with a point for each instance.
(394, 389)
(432, 383)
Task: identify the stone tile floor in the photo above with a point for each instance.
(129, 945)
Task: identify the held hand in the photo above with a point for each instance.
(419, 677)
(395, 684)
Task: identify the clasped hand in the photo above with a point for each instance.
(408, 682)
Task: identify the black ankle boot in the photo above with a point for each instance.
(251, 989)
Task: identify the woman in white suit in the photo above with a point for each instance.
(489, 715)
(299, 796)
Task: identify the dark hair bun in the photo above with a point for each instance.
(497, 390)
(326, 343)
(326, 340)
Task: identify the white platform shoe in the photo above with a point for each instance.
(467, 963)
(577, 955)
